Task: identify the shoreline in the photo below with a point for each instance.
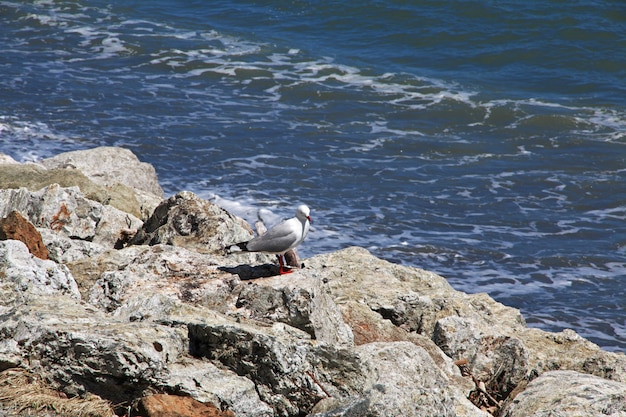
(175, 316)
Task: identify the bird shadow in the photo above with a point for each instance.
(247, 272)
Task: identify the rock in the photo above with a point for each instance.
(35, 177)
(63, 249)
(67, 211)
(302, 303)
(499, 360)
(121, 196)
(568, 394)
(16, 227)
(108, 166)
(7, 159)
(188, 221)
(164, 405)
(400, 379)
(82, 351)
(28, 274)
(206, 382)
(347, 335)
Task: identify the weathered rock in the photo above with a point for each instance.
(7, 159)
(164, 405)
(292, 373)
(206, 382)
(188, 221)
(499, 359)
(122, 196)
(63, 249)
(81, 350)
(159, 269)
(67, 211)
(400, 379)
(348, 335)
(108, 166)
(494, 338)
(15, 226)
(568, 394)
(34, 177)
(300, 301)
(28, 274)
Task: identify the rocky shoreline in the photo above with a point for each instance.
(116, 301)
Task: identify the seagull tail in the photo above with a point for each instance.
(237, 247)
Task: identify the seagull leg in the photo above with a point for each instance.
(282, 270)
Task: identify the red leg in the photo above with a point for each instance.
(282, 269)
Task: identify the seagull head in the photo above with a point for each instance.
(303, 213)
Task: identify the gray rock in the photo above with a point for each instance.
(208, 383)
(349, 335)
(568, 394)
(108, 166)
(67, 211)
(29, 274)
(63, 249)
(300, 301)
(35, 177)
(7, 159)
(500, 360)
(160, 269)
(82, 351)
(188, 221)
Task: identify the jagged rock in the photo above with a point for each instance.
(35, 177)
(63, 249)
(493, 337)
(115, 276)
(159, 269)
(16, 227)
(500, 360)
(188, 221)
(292, 373)
(301, 302)
(206, 382)
(347, 335)
(568, 394)
(7, 159)
(28, 274)
(67, 211)
(108, 166)
(81, 350)
(164, 405)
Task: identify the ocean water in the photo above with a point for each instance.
(482, 140)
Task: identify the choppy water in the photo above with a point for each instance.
(483, 140)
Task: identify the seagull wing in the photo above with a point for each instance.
(278, 239)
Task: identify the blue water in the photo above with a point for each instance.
(482, 140)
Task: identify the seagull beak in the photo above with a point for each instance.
(309, 218)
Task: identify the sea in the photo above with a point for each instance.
(484, 140)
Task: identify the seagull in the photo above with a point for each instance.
(281, 238)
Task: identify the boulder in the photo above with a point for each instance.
(15, 226)
(35, 177)
(25, 274)
(347, 335)
(108, 166)
(188, 221)
(7, 159)
(568, 394)
(68, 212)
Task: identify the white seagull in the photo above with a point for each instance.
(281, 238)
